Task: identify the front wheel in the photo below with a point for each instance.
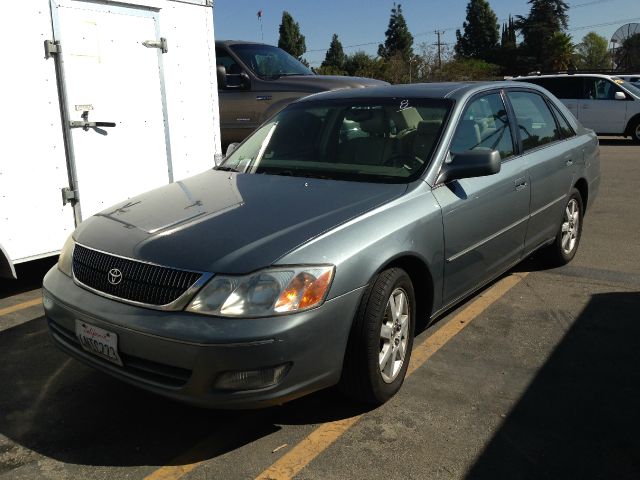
(565, 246)
(381, 339)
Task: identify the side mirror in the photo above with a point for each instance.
(221, 73)
(231, 148)
(472, 163)
(620, 96)
(245, 81)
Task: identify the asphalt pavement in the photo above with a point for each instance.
(535, 377)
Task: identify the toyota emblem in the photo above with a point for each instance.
(115, 276)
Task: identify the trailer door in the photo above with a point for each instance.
(113, 74)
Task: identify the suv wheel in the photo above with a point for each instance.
(634, 130)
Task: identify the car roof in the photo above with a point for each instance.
(453, 90)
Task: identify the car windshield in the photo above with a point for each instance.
(269, 62)
(378, 140)
(632, 87)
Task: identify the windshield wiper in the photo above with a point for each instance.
(224, 168)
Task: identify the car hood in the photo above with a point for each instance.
(321, 83)
(225, 222)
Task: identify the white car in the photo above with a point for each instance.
(604, 103)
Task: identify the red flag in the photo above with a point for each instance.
(259, 13)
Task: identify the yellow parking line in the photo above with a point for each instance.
(322, 437)
(20, 306)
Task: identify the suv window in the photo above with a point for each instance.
(484, 125)
(231, 66)
(561, 87)
(535, 121)
(599, 89)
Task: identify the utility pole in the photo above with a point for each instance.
(439, 44)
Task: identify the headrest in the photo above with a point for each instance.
(375, 124)
(428, 127)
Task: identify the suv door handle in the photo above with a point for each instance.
(521, 184)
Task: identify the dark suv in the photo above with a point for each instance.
(256, 81)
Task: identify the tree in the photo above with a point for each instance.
(560, 51)
(593, 52)
(545, 18)
(291, 40)
(398, 39)
(362, 65)
(481, 32)
(335, 55)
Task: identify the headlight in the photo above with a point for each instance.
(274, 291)
(65, 261)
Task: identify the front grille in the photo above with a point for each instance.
(138, 281)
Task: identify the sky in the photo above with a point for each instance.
(362, 23)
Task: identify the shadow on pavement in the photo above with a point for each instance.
(59, 408)
(30, 275)
(580, 417)
(618, 142)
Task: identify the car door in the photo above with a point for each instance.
(599, 110)
(548, 145)
(484, 218)
(238, 107)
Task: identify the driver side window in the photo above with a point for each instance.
(484, 126)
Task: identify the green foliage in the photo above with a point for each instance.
(560, 51)
(329, 70)
(480, 37)
(398, 38)
(546, 17)
(468, 69)
(335, 55)
(362, 65)
(291, 40)
(593, 52)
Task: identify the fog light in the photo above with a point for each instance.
(252, 379)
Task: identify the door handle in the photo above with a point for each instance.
(85, 124)
(521, 184)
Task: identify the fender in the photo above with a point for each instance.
(7, 269)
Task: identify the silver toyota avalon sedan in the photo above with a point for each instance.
(307, 257)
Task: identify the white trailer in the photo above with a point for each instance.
(100, 101)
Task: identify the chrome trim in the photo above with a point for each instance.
(178, 304)
(488, 239)
(551, 203)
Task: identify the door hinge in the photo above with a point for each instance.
(161, 44)
(51, 48)
(69, 196)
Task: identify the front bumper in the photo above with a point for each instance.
(179, 354)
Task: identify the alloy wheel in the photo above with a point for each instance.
(394, 335)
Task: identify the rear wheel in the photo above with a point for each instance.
(565, 246)
(381, 339)
(635, 131)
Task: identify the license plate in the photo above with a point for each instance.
(98, 341)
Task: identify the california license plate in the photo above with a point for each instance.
(98, 341)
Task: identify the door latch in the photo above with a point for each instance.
(85, 124)
(69, 196)
(161, 44)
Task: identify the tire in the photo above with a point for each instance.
(634, 131)
(366, 376)
(565, 246)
